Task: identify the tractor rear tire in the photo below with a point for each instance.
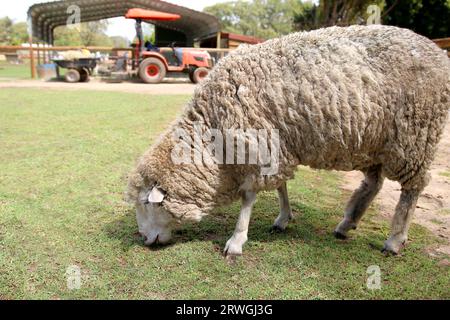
(72, 76)
(199, 74)
(152, 70)
(84, 76)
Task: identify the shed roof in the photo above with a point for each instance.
(45, 17)
(241, 38)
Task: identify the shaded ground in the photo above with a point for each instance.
(433, 208)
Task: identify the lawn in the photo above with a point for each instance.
(14, 71)
(63, 166)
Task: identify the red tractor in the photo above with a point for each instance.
(153, 63)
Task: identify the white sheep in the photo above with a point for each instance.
(368, 98)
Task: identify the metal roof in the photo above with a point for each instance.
(45, 17)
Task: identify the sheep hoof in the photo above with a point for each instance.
(339, 235)
(276, 229)
(393, 246)
(231, 258)
(388, 252)
(233, 247)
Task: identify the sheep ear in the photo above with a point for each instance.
(156, 195)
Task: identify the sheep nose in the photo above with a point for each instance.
(154, 242)
(144, 237)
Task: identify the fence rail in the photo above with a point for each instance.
(9, 49)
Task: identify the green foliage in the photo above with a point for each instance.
(19, 33)
(260, 18)
(430, 18)
(86, 34)
(66, 37)
(333, 12)
(12, 33)
(120, 42)
(5, 30)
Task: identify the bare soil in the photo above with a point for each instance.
(433, 207)
(168, 86)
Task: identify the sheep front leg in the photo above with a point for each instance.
(285, 215)
(239, 238)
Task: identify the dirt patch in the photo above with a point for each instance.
(168, 86)
(433, 207)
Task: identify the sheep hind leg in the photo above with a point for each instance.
(360, 201)
(234, 245)
(403, 214)
(285, 215)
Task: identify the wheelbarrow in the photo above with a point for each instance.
(79, 70)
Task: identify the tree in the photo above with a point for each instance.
(94, 33)
(430, 18)
(334, 12)
(5, 30)
(87, 34)
(19, 33)
(260, 18)
(64, 36)
(12, 33)
(119, 42)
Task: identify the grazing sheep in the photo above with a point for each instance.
(368, 98)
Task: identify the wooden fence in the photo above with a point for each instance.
(38, 53)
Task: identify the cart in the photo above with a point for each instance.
(79, 70)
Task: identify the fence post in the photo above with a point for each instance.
(32, 62)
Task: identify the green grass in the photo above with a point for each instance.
(14, 71)
(63, 167)
(445, 174)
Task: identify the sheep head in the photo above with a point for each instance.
(154, 222)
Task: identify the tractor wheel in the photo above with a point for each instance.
(191, 75)
(84, 75)
(72, 76)
(199, 74)
(152, 70)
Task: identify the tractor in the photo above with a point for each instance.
(153, 63)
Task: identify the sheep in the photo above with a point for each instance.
(369, 98)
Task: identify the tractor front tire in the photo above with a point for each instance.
(72, 76)
(191, 75)
(152, 70)
(199, 74)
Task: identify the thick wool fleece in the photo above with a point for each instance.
(342, 98)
